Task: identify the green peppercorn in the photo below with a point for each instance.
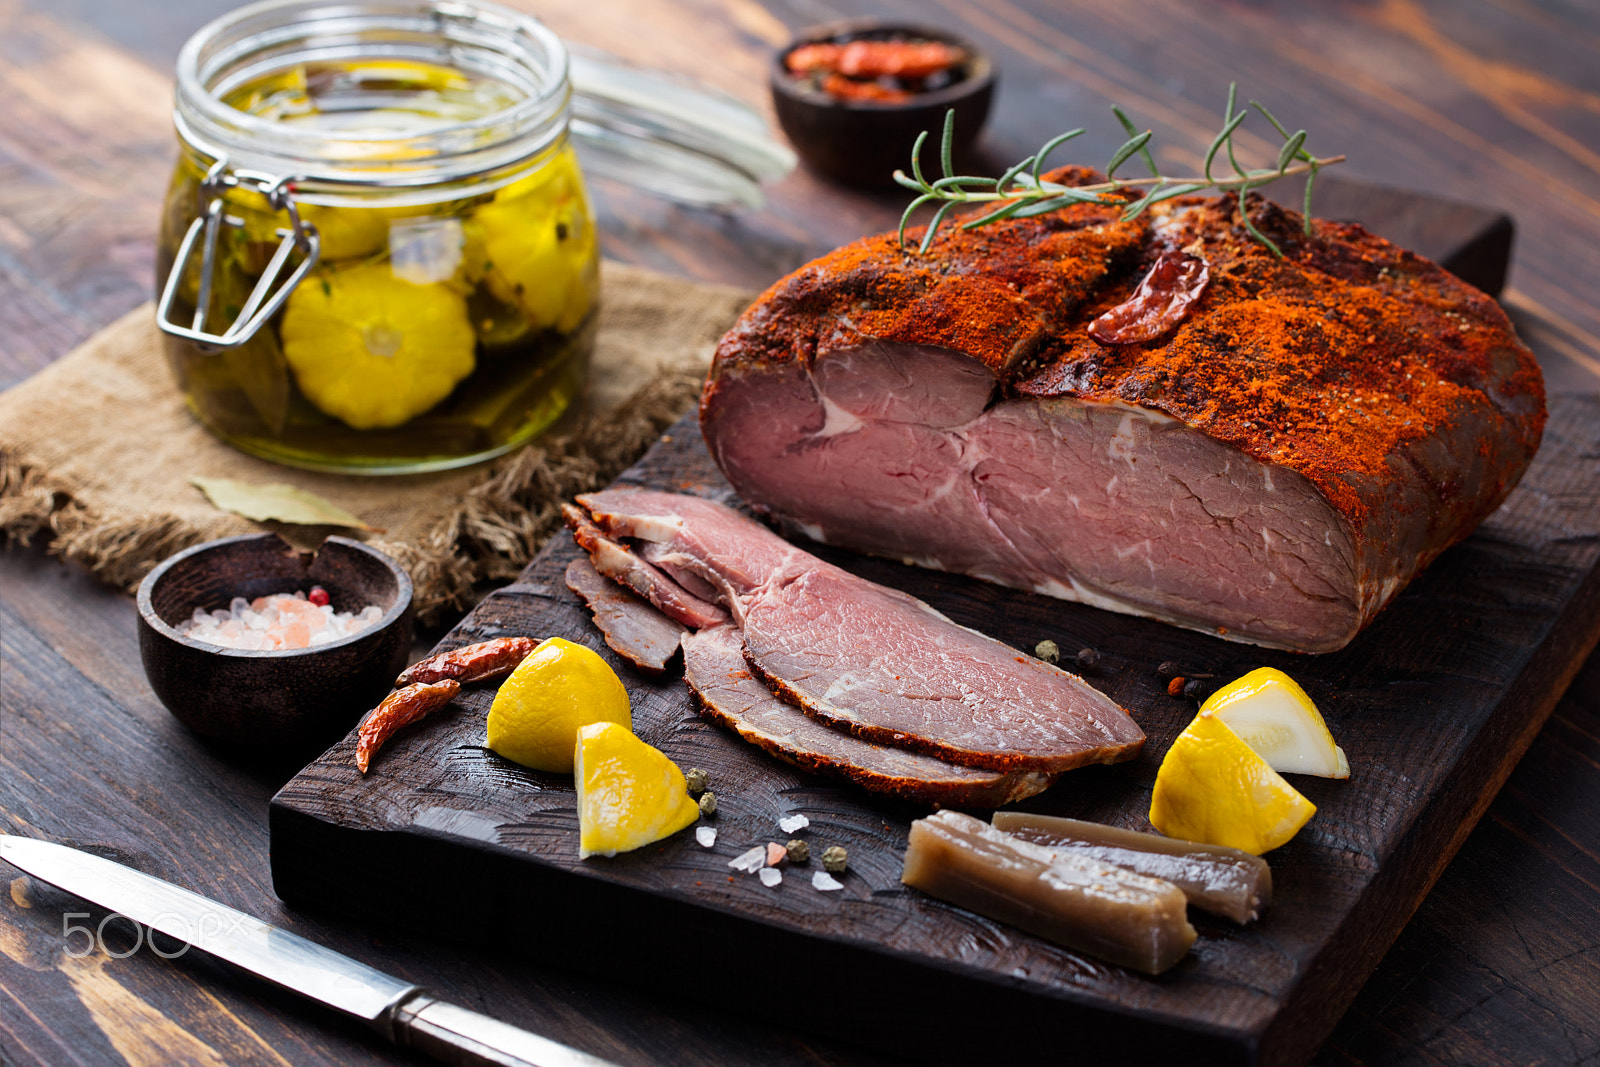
(1048, 651)
(708, 803)
(834, 858)
(697, 780)
(799, 851)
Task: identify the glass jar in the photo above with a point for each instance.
(376, 253)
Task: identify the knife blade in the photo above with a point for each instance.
(401, 1011)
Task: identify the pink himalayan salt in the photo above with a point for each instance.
(282, 620)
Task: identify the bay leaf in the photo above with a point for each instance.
(276, 502)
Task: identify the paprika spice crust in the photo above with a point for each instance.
(1326, 361)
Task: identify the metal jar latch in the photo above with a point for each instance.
(264, 301)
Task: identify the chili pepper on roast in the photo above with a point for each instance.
(1159, 304)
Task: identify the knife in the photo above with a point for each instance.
(402, 1012)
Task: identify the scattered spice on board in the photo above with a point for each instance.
(1088, 658)
(697, 780)
(825, 882)
(770, 876)
(799, 851)
(791, 823)
(1175, 686)
(1048, 651)
(706, 835)
(776, 853)
(834, 859)
(753, 860)
(708, 803)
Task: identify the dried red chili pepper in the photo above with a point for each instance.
(481, 662)
(837, 85)
(911, 60)
(399, 708)
(1158, 305)
(897, 59)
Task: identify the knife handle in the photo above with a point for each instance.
(455, 1035)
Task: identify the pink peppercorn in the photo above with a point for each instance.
(318, 596)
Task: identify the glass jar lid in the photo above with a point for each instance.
(515, 53)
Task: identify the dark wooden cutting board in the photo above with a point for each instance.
(1434, 704)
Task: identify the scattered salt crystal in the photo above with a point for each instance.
(706, 835)
(750, 861)
(274, 622)
(770, 876)
(776, 853)
(825, 882)
(790, 823)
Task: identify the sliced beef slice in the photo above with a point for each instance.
(715, 670)
(635, 630)
(874, 661)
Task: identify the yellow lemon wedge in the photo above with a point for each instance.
(1274, 716)
(558, 689)
(374, 350)
(1213, 787)
(629, 794)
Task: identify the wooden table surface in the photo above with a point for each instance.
(1491, 101)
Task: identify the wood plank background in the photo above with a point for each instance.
(1495, 102)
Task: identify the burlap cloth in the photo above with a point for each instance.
(96, 452)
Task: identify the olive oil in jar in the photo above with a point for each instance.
(447, 317)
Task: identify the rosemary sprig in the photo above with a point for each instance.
(1026, 194)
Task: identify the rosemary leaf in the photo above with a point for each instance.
(916, 151)
(1225, 136)
(909, 183)
(1003, 212)
(1270, 117)
(1004, 181)
(947, 143)
(1311, 177)
(1050, 146)
(1249, 224)
(905, 218)
(1290, 149)
(1129, 148)
(933, 227)
(956, 181)
(1132, 131)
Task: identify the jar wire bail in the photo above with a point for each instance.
(263, 301)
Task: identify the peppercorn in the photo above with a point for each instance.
(1168, 668)
(708, 803)
(697, 780)
(1193, 688)
(799, 851)
(1048, 651)
(834, 858)
(1175, 687)
(1088, 658)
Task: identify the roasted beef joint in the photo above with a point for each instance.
(1301, 437)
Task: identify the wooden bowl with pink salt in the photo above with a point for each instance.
(298, 670)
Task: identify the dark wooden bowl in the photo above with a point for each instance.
(862, 143)
(282, 698)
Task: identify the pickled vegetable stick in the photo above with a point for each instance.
(1218, 879)
(1092, 907)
